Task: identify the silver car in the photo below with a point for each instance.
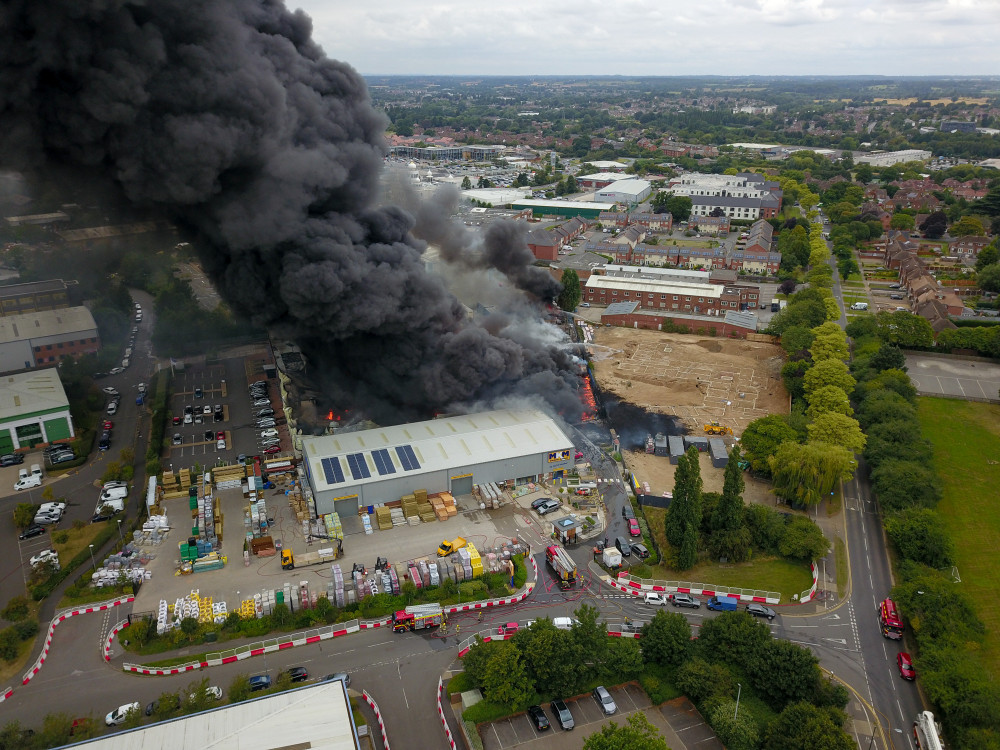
(604, 700)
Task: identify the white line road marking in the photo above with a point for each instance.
(834, 616)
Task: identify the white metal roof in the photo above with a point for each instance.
(656, 286)
(316, 716)
(436, 445)
(44, 323)
(534, 203)
(29, 392)
(603, 177)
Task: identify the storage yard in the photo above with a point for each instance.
(698, 379)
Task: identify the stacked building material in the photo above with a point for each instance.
(449, 503)
(163, 619)
(409, 503)
(414, 575)
(475, 560)
(414, 520)
(334, 528)
(398, 517)
(228, 477)
(435, 578)
(359, 585)
(394, 580)
(383, 517)
(426, 511)
(338, 586)
(465, 561)
(366, 523)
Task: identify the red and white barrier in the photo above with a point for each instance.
(639, 587)
(378, 717)
(807, 596)
(111, 636)
(444, 721)
(59, 617)
(6, 694)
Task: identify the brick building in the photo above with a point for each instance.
(672, 290)
(45, 337)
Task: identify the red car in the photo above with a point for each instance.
(905, 664)
(108, 424)
(220, 435)
(177, 420)
(273, 449)
(509, 629)
(633, 527)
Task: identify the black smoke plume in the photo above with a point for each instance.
(226, 117)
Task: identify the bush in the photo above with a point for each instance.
(918, 535)
(8, 644)
(16, 609)
(60, 537)
(26, 629)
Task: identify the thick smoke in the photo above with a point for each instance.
(226, 117)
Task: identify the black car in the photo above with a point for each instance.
(759, 610)
(538, 718)
(298, 674)
(627, 511)
(31, 531)
(12, 459)
(561, 711)
(624, 546)
(175, 700)
(538, 501)
(640, 550)
(209, 435)
(895, 296)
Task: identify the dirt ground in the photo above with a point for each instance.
(659, 472)
(697, 379)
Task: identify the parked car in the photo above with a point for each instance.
(32, 531)
(198, 393)
(110, 391)
(759, 610)
(12, 459)
(120, 714)
(895, 296)
(209, 435)
(298, 674)
(624, 546)
(342, 676)
(507, 629)
(206, 409)
(259, 682)
(270, 432)
(188, 418)
(26, 483)
(46, 555)
(272, 449)
(116, 371)
(539, 501)
(655, 598)
(640, 550)
(538, 718)
(681, 599)
(547, 507)
(177, 438)
(261, 403)
(633, 527)
(177, 421)
(604, 700)
(266, 412)
(151, 707)
(112, 409)
(561, 711)
(905, 664)
(61, 458)
(188, 409)
(107, 424)
(212, 691)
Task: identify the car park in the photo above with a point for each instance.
(655, 598)
(633, 527)
(32, 531)
(604, 700)
(562, 714)
(548, 507)
(905, 665)
(259, 682)
(297, 674)
(120, 714)
(680, 599)
(759, 610)
(640, 550)
(538, 718)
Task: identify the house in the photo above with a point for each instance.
(968, 248)
(544, 245)
(710, 225)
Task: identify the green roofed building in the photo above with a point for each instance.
(569, 209)
(33, 410)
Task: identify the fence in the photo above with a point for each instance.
(810, 592)
(111, 636)
(637, 586)
(378, 717)
(444, 721)
(58, 618)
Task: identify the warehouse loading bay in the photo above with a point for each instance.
(236, 582)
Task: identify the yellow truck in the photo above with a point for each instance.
(454, 545)
(289, 561)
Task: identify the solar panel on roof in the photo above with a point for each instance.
(383, 462)
(358, 466)
(406, 457)
(331, 468)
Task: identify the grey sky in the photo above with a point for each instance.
(661, 37)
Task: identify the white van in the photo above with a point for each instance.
(125, 363)
(26, 483)
(113, 493)
(859, 306)
(36, 471)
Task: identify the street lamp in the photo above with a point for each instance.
(120, 532)
(739, 689)
(92, 557)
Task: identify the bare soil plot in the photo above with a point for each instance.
(659, 472)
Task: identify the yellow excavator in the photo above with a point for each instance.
(714, 428)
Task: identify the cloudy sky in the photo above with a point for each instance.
(661, 37)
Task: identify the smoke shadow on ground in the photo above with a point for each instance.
(633, 423)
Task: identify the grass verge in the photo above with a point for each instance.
(965, 436)
(840, 555)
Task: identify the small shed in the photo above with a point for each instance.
(698, 441)
(676, 443)
(720, 456)
(660, 445)
(566, 529)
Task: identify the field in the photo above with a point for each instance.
(966, 438)
(696, 378)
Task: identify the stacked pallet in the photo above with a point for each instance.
(409, 503)
(383, 518)
(334, 529)
(465, 562)
(337, 587)
(366, 522)
(475, 560)
(397, 516)
(228, 477)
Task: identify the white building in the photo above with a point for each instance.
(33, 410)
(888, 158)
(625, 191)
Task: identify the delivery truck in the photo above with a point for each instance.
(562, 565)
(447, 547)
(417, 617)
(290, 561)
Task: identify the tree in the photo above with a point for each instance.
(622, 660)
(591, 638)
(730, 538)
(888, 357)
(636, 734)
(466, 183)
(902, 221)
(687, 555)
(808, 473)
(24, 515)
(905, 484)
(666, 639)
(989, 278)
(837, 429)
(505, 681)
(904, 329)
(700, 679)
(761, 438)
(796, 339)
(967, 226)
(802, 726)
(686, 504)
(891, 380)
(803, 539)
(829, 346)
(16, 609)
(919, 535)
(988, 256)
(828, 372)
(737, 731)
(678, 206)
(863, 173)
(571, 294)
(828, 398)
(934, 225)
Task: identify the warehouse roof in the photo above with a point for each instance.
(29, 392)
(627, 186)
(534, 203)
(657, 286)
(32, 287)
(602, 177)
(36, 325)
(606, 165)
(316, 716)
(620, 308)
(368, 456)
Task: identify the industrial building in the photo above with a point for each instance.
(663, 292)
(33, 410)
(347, 471)
(888, 158)
(317, 715)
(569, 209)
(449, 153)
(598, 180)
(34, 295)
(43, 338)
(625, 191)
